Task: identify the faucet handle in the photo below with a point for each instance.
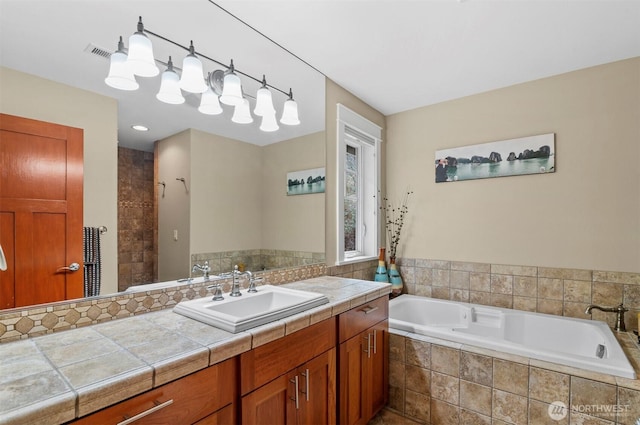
(217, 294)
(622, 308)
(252, 283)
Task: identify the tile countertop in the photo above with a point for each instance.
(55, 378)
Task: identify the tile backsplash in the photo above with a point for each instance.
(44, 319)
(256, 259)
(563, 292)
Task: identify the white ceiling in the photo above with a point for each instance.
(395, 55)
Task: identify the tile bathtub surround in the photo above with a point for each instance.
(558, 291)
(439, 382)
(256, 259)
(27, 322)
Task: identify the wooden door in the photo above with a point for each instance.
(272, 404)
(353, 361)
(41, 183)
(317, 390)
(378, 373)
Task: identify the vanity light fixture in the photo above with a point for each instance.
(170, 86)
(140, 56)
(269, 122)
(264, 102)
(192, 79)
(209, 103)
(120, 73)
(219, 87)
(242, 113)
(231, 88)
(290, 111)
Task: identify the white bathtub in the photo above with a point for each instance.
(563, 340)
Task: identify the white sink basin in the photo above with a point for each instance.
(237, 314)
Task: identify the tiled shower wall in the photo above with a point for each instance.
(137, 254)
(559, 291)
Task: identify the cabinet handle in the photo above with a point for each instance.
(146, 412)
(368, 309)
(368, 350)
(295, 381)
(306, 379)
(375, 342)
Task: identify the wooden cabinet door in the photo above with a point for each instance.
(352, 380)
(41, 184)
(272, 404)
(317, 390)
(378, 368)
(364, 375)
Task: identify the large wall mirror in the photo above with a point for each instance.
(219, 187)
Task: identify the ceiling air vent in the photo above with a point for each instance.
(98, 51)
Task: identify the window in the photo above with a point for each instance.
(358, 183)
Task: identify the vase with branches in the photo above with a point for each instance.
(394, 216)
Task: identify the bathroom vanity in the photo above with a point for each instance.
(325, 365)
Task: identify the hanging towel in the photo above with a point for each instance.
(92, 261)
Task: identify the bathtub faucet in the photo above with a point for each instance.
(619, 310)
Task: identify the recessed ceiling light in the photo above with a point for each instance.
(140, 127)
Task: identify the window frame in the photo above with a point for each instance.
(368, 233)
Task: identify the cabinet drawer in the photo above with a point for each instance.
(358, 319)
(267, 362)
(183, 401)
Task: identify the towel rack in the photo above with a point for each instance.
(102, 229)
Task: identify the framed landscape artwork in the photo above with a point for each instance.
(306, 181)
(525, 155)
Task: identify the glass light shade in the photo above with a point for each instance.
(264, 102)
(231, 90)
(290, 113)
(242, 113)
(120, 75)
(170, 89)
(209, 103)
(269, 122)
(140, 57)
(192, 79)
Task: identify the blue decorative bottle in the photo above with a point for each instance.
(381, 270)
(394, 278)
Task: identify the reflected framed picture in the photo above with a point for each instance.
(305, 182)
(514, 157)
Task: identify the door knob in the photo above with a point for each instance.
(73, 267)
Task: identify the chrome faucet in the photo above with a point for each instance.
(235, 287)
(205, 269)
(619, 310)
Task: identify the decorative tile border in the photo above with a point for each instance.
(44, 319)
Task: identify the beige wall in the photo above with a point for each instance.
(236, 198)
(36, 98)
(335, 95)
(225, 194)
(294, 223)
(585, 215)
(174, 208)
